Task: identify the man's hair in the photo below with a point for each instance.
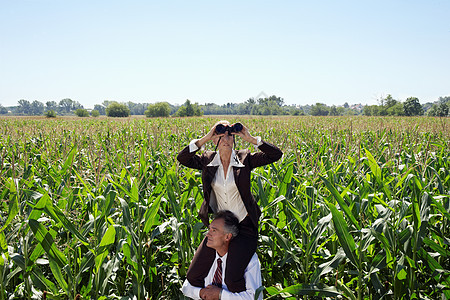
(231, 222)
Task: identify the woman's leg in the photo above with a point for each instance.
(240, 252)
(200, 265)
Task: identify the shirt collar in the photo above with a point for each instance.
(234, 161)
(223, 258)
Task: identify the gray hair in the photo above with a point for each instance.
(231, 222)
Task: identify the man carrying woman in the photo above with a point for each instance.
(226, 177)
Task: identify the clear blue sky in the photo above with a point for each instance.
(223, 51)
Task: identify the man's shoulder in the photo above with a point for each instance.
(254, 262)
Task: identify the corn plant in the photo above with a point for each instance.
(357, 208)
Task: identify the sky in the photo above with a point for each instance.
(305, 52)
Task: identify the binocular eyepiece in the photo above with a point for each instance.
(236, 127)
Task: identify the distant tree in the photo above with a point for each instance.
(432, 111)
(211, 109)
(389, 101)
(159, 109)
(319, 109)
(412, 107)
(444, 99)
(341, 110)
(442, 110)
(115, 109)
(24, 107)
(188, 110)
(66, 105)
(37, 108)
(396, 110)
(106, 103)
(50, 114)
(373, 110)
(77, 105)
(3, 110)
(426, 107)
(137, 108)
(100, 108)
(386, 103)
(367, 110)
(269, 106)
(81, 112)
(295, 111)
(51, 105)
(333, 111)
(246, 107)
(95, 113)
(181, 112)
(346, 105)
(350, 112)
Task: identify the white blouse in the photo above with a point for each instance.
(225, 194)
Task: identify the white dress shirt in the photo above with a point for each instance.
(252, 281)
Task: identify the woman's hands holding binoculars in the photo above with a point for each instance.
(222, 128)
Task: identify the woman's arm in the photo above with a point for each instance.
(269, 153)
(188, 156)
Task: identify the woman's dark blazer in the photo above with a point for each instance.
(268, 154)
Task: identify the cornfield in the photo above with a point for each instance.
(357, 208)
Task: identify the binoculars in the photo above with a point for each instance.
(236, 127)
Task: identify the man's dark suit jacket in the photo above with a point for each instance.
(268, 154)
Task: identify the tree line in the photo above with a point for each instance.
(273, 105)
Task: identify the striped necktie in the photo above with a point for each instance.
(217, 280)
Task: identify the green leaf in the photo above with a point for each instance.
(401, 275)
(57, 214)
(151, 215)
(130, 259)
(109, 236)
(19, 260)
(439, 206)
(327, 266)
(377, 172)
(171, 194)
(107, 239)
(41, 281)
(319, 290)
(321, 226)
(69, 160)
(297, 216)
(286, 180)
(345, 239)
(341, 202)
(127, 221)
(3, 243)
(56, 271)
(47, 242)
(13, 203)
(38, 208)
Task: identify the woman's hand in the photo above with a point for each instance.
(211, 135)
(246, 136)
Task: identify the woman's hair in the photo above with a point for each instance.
(224, 122)
(231, 222)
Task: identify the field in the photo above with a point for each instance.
(357, 208)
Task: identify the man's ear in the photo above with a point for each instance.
(228, 237)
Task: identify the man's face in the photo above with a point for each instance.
(216, 235)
